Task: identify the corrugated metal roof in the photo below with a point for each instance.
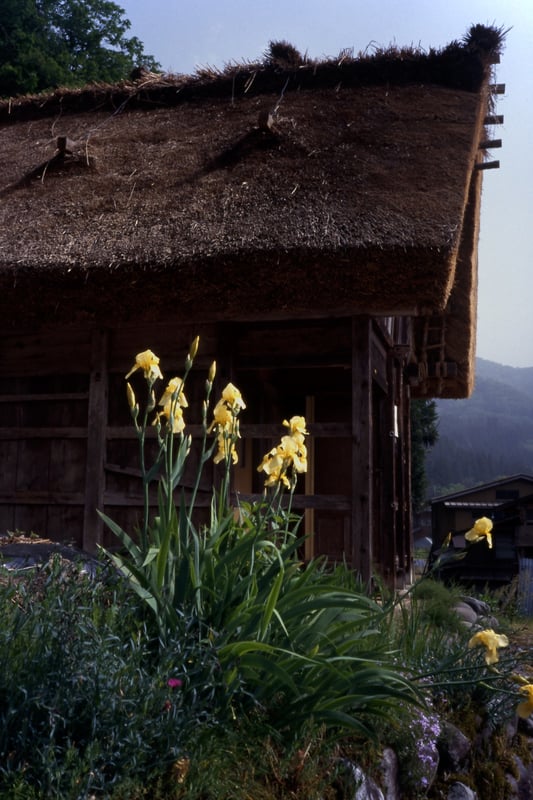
(473, 504)
(521, 476)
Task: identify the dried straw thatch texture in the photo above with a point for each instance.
(328, 189)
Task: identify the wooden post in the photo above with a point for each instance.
(96, 443)
(390, 471)
(403, 472)
(407, 516)
(64, 145)
(361, 527)
(309, 513)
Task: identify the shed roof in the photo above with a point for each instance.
(466, 496)
(268, 190)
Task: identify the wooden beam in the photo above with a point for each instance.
(361, 511)
(43, 398)
(13, 434)
(322, 502)
(96, 444)
(490, 144)
(488, 165)
(41, 498)
(319, 430)
(493, 119)
(328, 430)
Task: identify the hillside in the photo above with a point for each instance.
(489, 435)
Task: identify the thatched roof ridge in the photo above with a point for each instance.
(456, 66)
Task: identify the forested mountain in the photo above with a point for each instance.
(486, 437)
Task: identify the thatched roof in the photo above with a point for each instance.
(304, 189)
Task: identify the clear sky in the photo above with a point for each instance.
(185, 34)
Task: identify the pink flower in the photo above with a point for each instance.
(174, 683)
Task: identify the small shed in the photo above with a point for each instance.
(315, 223)
(508, 503)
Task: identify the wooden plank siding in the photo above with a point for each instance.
(69, 446)
(96, 443)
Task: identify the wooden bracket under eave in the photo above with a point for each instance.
(487, 165)
(65, 146)
(493, 119)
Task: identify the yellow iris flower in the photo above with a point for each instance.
(227, 408)
(525, 708)
(226, 424)
(132, 400)
(296, 426)
(276, 469)
(172, 402)
(481, 530)
(289, 455)
(149, 363)
(174, 390)
(174, 416)
(226, 448)
(232, 396)
(222, 416)
(491, 641)
(295, 451)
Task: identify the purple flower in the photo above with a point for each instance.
(174, 683)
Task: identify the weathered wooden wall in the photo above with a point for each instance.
(69, 447)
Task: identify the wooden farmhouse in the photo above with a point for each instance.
(315, 223)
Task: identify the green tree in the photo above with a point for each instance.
(424, 434)
(50, 43)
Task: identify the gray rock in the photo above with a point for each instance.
(453, 746)
(466, 613)
(513, 783)
(525, 780)
(489, 622)
(481, 608)
(389, 774)
(510, 728)
(459, 791)
(355, 778)
(526, 726)
(512, 787)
